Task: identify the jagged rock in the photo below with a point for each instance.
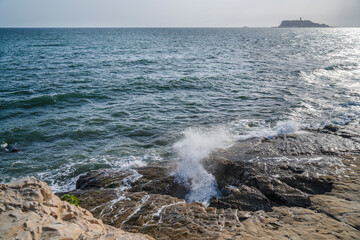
(292, 186)
(283, 182)
(285, 168)
(29, 210)
(279, 192)
(156, 179)
(164, 217)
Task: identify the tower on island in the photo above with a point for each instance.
(300, 18)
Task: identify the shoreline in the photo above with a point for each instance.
(150, 199)
(302, 186)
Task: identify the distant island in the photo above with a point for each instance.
(301, 24)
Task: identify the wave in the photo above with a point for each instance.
(50, 45)
(64, 177)
(282, 127)
(143, 62)
(348, 66)
(46, 100)
(191, 149)
(22, 134)
(147, 84)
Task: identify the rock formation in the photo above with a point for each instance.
(29, 210)
(295, 186)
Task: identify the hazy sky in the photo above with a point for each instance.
(174, 13)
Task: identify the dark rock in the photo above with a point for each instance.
(310, 184)
(155, 179)
(332, 128)
(10, 148)
(278, 192)
(243, 198)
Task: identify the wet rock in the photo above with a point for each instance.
(10, 148)
(302, 144)
(310, 184)
(332, 128)
(296, 186)
(283, 181)
(243, 198)
(156, 179)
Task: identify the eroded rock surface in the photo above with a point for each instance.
(29, 210)
(296, 186)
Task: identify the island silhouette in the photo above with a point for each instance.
(301, 24)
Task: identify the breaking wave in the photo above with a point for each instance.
(282, 127)
(191, 149)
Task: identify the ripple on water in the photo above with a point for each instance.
(80, 99)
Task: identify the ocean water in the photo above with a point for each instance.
(75, 100)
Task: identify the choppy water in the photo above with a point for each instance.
(74, 100)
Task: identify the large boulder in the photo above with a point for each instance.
(29, 210)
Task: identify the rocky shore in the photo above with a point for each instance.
(294, 186)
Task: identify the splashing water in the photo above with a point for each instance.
(196, 145)
(282, 127)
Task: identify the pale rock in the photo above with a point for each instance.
(29, 210)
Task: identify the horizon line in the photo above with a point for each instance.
(161, 27)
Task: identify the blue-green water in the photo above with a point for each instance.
(79, 99)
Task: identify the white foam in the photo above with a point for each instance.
(192, 148)
(161, 209)
(143, 201)
(129, 180)
(52, 176)
(282, 127)
(108, 207)
(4, 145)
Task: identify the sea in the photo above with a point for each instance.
(79, 99)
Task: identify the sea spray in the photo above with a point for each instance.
(191, 149)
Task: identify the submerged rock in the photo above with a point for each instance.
(10, 148)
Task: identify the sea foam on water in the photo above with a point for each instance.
(282, 127)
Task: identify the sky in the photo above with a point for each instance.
(175, 13)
